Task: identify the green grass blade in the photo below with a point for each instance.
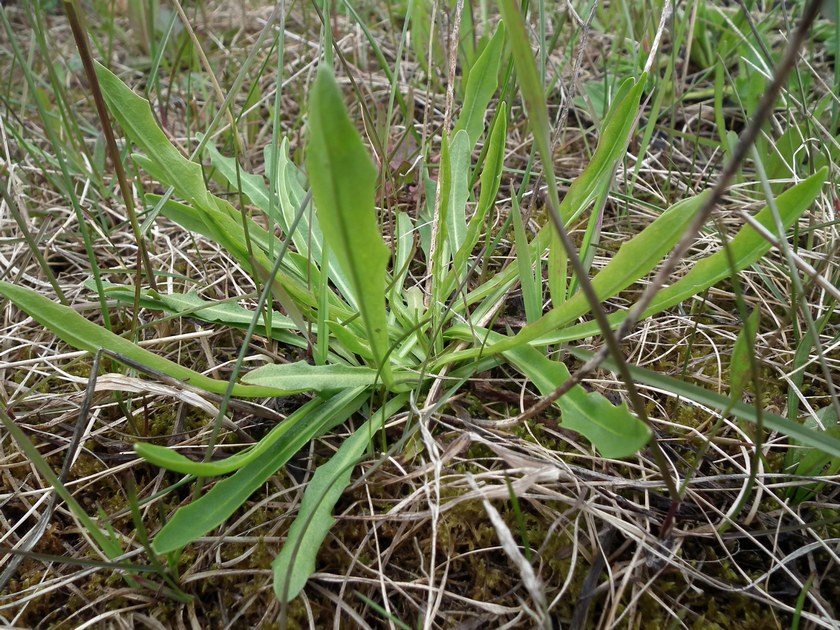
(343, 180)
(531, 87)
(211, 510)
(82, 334)
(296, 561)
(107, 544)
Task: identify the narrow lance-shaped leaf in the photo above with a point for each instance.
(826, 443)
(404, 247)
(531, 285)
(739, 368)
(253, 186)
(134, 115)
(456, 201)
(166, 164)
(491, 178)
(215, 507)
(442, 189)
(615, 135)
(634, 260)
(531, 88)
(747, 247)
(82, 334)
(481, 85)
(218, 225)
(301, 376)
(612, 429)
(296, 561)
(343, 180)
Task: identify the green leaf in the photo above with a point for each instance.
(458, 172)
(307, 238)
(253, 186)
(533, 94)
(191, 305)
(612, 429)
(212, 509)
(531, 87)
(134, 114)
(597, 177)
(634, 260)
(301, 377)
(296, 561)
(531, 285)
(228, 313)
(772, 422)
(739, 367)
(166, 164)
(481, 84)
(289, 189)
(404, 251)
(747, 247)
(491, 178)
(221, 227)
(343, 180)
(614, 138)
(81, 334)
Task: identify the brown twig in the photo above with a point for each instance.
(75, 19)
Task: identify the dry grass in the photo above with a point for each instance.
(412, 533)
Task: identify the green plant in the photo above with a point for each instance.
(374, 342)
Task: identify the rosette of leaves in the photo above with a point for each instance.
(347, 297)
